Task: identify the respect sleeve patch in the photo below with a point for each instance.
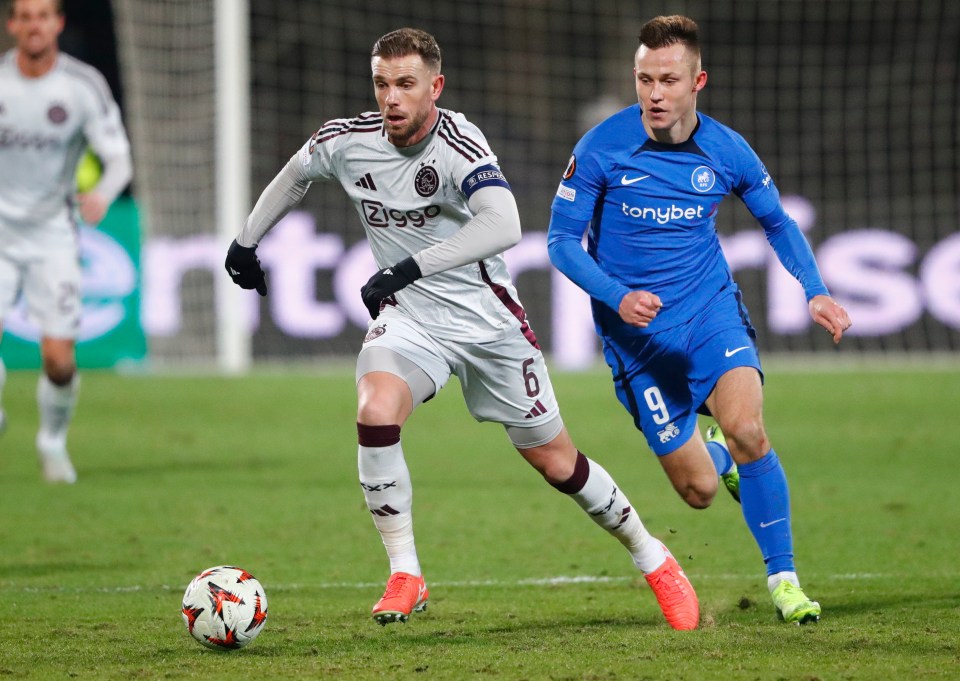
(484, 176)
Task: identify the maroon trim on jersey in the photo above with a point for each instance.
(455, 131)
(464, 146)
(359, 121)
(453, 146)
(515, 308)
(335, 129)
(377, 436)
(575, 483)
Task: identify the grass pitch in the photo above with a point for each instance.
(182, 473)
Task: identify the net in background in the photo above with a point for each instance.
(167, 65)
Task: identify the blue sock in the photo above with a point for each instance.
(766, 508)
(722, 460)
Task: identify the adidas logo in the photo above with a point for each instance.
(366, 182)
(624, 515)
(538, 410)
(384, 511)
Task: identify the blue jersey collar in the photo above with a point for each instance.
(689, 145)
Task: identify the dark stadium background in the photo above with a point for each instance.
(853, 104)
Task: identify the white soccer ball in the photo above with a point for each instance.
(224, 607)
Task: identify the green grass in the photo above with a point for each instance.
(182, 473)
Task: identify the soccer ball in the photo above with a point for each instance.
(224, 607)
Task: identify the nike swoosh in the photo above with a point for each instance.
(772, 522)
(624, 180)
(731, 353)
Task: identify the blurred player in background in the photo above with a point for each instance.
(646, 183)
(51, 107)
(438, 213)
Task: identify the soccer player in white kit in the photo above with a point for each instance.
(438, 212)
(51, 107)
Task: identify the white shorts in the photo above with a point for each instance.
(503, 381)
(50, 288)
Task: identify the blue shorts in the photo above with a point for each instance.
(664, 378)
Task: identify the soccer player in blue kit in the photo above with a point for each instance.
(647, 183)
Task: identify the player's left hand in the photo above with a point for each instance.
(831, 315)
(92, 207)
(388, 281)
(244, 268)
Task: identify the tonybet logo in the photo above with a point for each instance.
(663, 214)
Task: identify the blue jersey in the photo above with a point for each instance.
(651, 210)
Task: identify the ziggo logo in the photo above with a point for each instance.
(378, 215)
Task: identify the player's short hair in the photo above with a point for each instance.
(665, 31)
(57, 7)
(406, 41)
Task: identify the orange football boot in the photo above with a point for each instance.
(675, 594)
(405, 593)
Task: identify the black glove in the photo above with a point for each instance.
(243, 266)
(388, 281)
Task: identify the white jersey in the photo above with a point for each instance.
(411, 198)
(45, 125)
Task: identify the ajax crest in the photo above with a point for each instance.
(427, 181)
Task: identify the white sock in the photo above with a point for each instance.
(773, 581)
(609, 508)
(388, 491)
(56, 404)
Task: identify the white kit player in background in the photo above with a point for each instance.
(438, 213)
(52, 107)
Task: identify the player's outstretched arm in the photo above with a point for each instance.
(831, 315)
(283, 193)
(797, 257)
(494, 227)
(565, 247)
